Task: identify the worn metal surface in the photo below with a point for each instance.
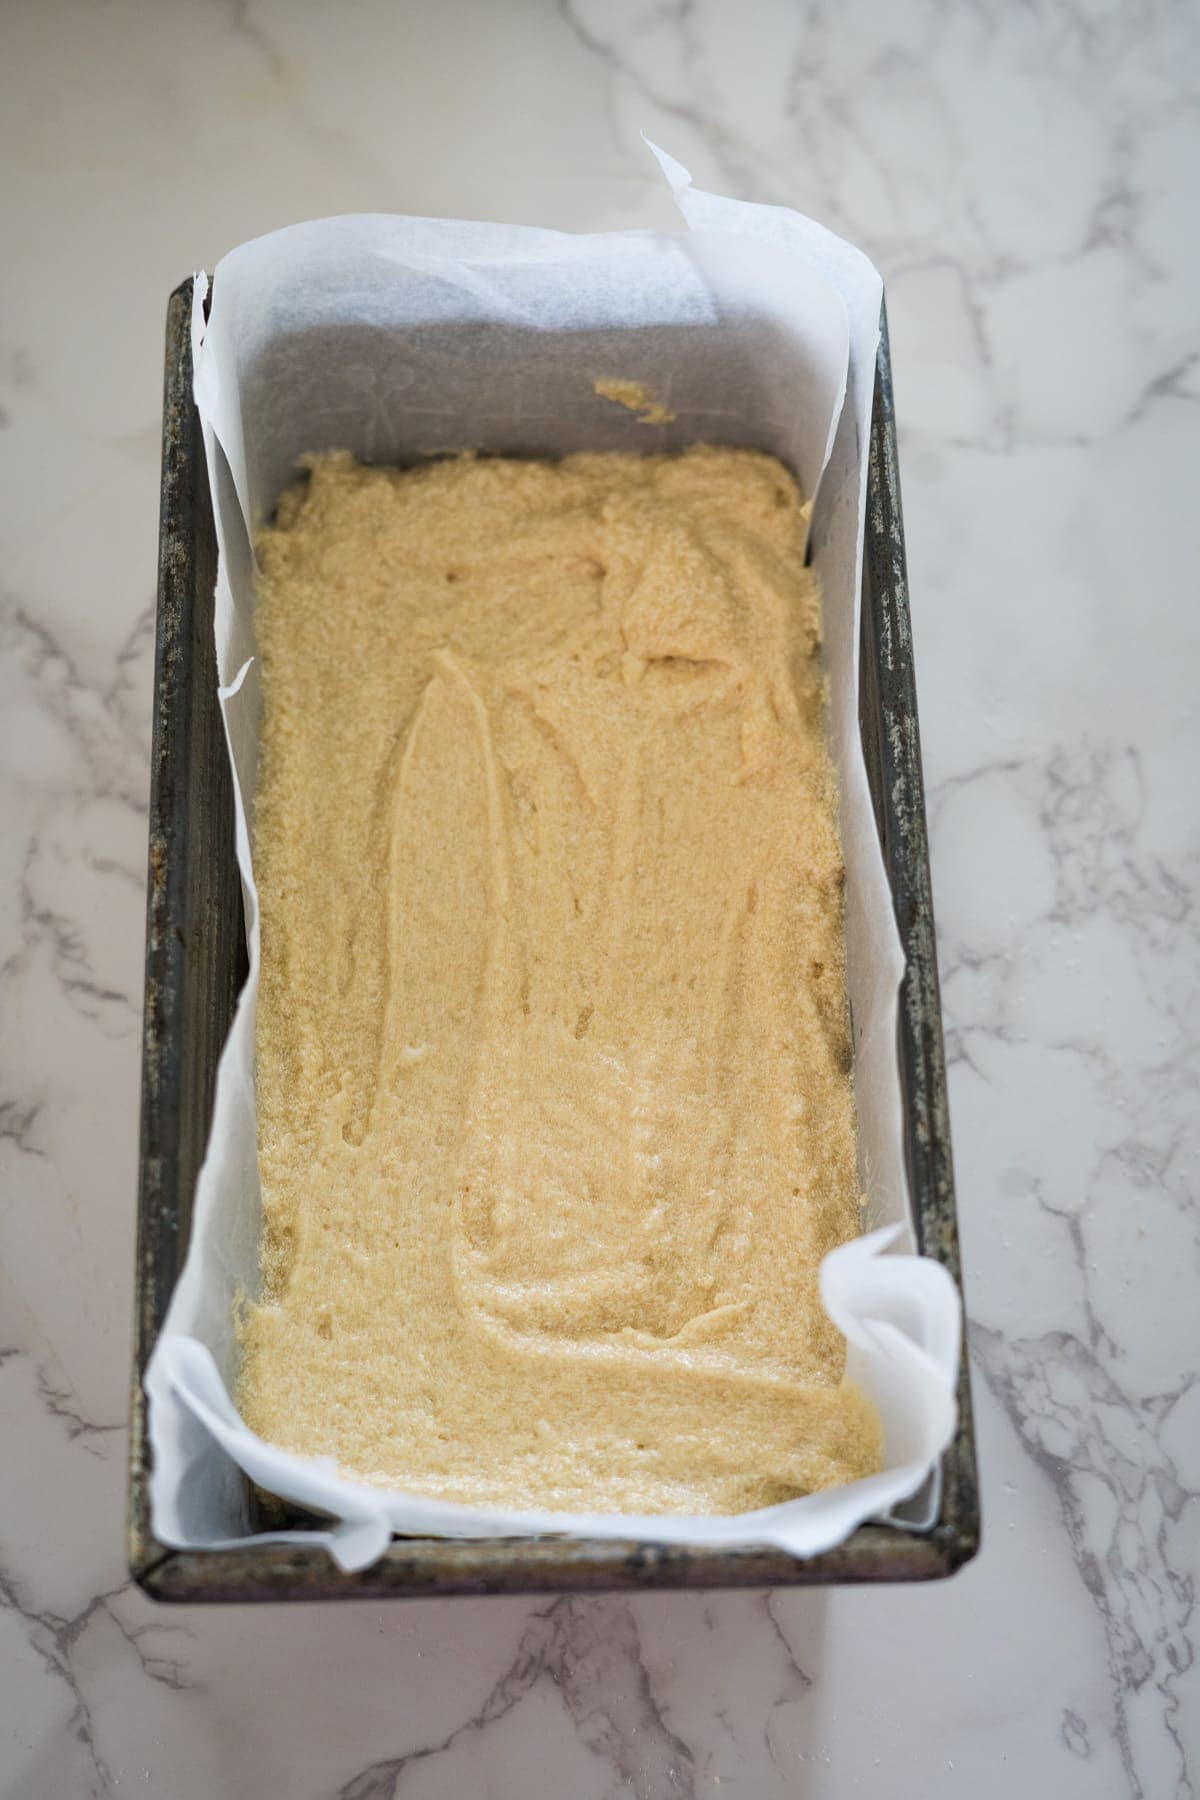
(195, 964)
(892, 740)
(195, 939)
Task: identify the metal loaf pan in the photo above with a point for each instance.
(195, 965)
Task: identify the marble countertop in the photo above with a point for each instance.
(1026, 178)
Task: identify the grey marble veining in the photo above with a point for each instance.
(1027, 179)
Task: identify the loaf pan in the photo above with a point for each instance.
(195, 966)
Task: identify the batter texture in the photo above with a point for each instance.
(554, 1106)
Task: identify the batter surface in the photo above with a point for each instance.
(555, 1119)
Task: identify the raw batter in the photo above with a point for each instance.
(555, 1120)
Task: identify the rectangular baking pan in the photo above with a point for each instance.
(196, 963)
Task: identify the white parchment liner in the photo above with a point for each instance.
(394, 338)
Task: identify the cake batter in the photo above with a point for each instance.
(554, 1107)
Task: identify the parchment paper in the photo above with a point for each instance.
(396, 338)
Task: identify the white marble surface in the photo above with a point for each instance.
(1027, 178)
